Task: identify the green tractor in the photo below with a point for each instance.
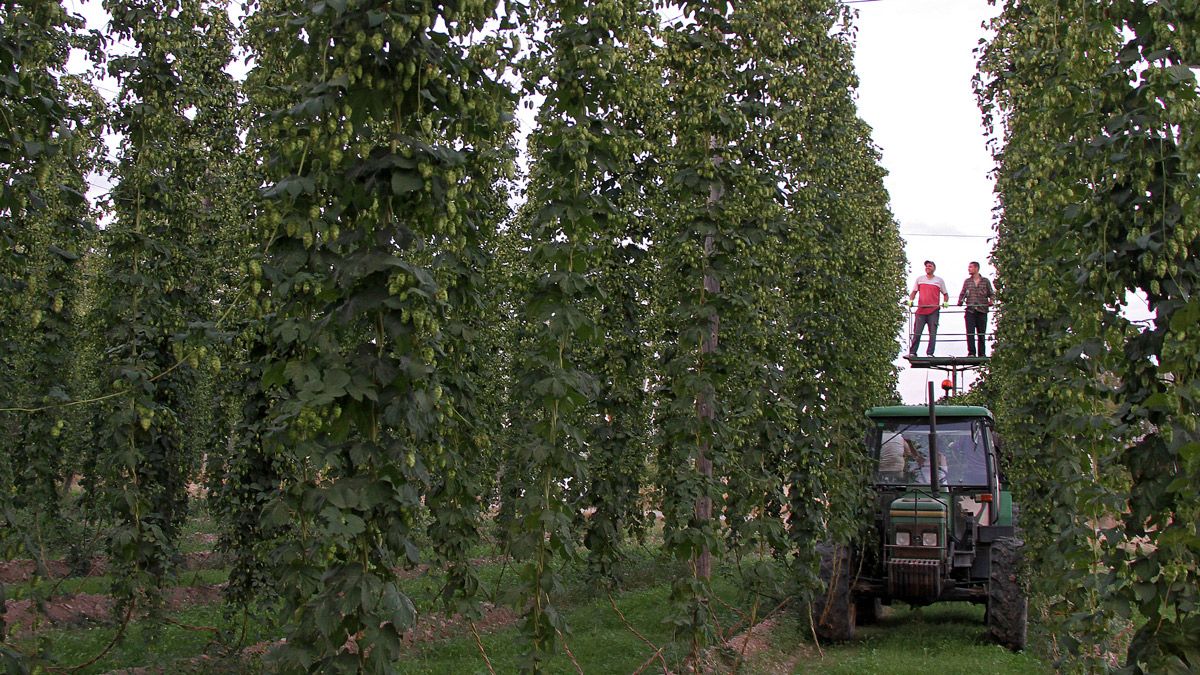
(938, 535)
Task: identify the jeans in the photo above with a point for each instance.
(976, 331)
(919, 324)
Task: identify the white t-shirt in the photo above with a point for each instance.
(891, 454)
(930, 291)
(934, 280)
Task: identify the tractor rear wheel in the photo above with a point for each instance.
(1007, 606)
(834, 610)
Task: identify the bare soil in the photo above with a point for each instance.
(23, 616)
(753, 651)
(20, 571)
(431, 627)
(90, 608)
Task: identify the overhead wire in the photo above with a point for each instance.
(935, 234)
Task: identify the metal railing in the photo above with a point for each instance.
(952, 342)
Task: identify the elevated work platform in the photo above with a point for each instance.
(947, 362)
(951, 341)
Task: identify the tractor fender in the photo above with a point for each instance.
(1004, 510)
(990, 533)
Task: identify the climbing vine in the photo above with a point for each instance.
(581, 377)
(703, 221)
(1097, 179)
(49, 138)
(758, 253)
(681, 309)
(173, 114)
(844, 260)
(466, 270)
(374, 165)
(619, 424)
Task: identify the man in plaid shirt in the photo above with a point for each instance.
(978, 296)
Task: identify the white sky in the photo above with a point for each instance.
(915, 60)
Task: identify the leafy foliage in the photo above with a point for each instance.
(685, 316)
(1098, 186)
(48, 136)
(175, 116)
(582, 370)
(377, 167)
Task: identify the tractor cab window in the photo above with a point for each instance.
(903, 453)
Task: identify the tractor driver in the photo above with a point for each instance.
(970, 463)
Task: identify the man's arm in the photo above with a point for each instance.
(963, 293)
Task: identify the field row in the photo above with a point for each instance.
(622, 632)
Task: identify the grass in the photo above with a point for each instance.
(601, 642)
(948, 637)
(103, 584)
(198, 533)
(148, 643)
(600, 631)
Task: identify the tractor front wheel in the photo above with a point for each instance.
(868, 610)
(834, 609)
(1007, 606)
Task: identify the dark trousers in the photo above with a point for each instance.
(920, 321)
(976, 330)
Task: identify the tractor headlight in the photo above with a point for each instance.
(929, 538)
(903, 539)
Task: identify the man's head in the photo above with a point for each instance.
(929, 267)
(972, 268)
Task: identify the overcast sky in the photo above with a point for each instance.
(915, 60)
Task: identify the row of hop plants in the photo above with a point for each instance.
(1095, 106)
(328, 294)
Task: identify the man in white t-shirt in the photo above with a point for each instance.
(925, 297)
(891, 454)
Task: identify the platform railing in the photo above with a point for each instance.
(952, 331)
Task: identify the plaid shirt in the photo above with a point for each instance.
(977, 295)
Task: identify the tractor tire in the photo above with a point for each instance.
(834, 610)
(1007, 606)
(868, 610)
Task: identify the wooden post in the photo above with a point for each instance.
(706, 407)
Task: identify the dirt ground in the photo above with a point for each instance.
(754, 652)
(84, 608)
(429, 627)
(20, 571)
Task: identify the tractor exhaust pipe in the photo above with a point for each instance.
(934, 483)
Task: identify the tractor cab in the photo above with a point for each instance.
(938, 494)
